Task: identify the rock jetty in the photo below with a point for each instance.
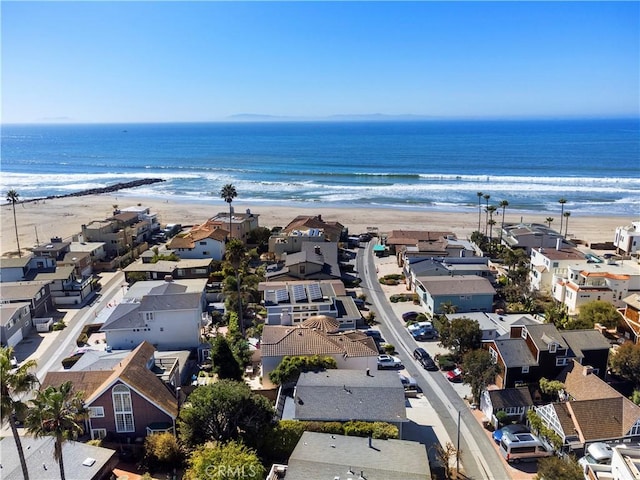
(111, 188)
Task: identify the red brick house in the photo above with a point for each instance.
(129, 401)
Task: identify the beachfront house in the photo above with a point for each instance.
(627, 239)
(527, 236)
(423, 243)
(332, 231)
(128, 397)
(292, 302)
(414, 267)
(342, 395)
(532, 351)
(241, 223)
(184, 268)
(320, 336)
(314, 261)
(119, 233)
(595, 279)
(145, 215)
(291, 241)
(206, 240)
(467, 293)
(322, 455)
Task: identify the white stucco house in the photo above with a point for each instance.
(627, 238)
(202, 241)
(169, 314)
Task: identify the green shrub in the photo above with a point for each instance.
(58, 326)
(70, 361)
(389, 349)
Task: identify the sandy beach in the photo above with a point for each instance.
(63, 217)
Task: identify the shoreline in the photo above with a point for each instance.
(63, 217)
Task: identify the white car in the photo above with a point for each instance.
(388, 361)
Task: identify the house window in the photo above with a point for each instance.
(562, 361)
(202, 243)
(524, 334)
(96, 412)
(525, 369)
(123, 409)
(553, 347)
(148, 316)
(98, 433)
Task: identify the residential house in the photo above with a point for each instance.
(322, 455)
(529, 236)
(80, 261)
(241, 223)
(441, 266)
(36, 293)
(317, 336)
(16, 269)
(66, 287)
(119, 233)
(533, 351)
(315, 261)
(423, 243)
(467, 293)
(629, 326)
(145, 215)
(494, 325)
(595, 279)
(341, 395)
(94, 249)
(206, 240)
(291, 241)
(590, 410)
(187, 268)
(81, 460)
(129, 400)
(546, 261)
(15, 323)
(333, 231)
(627, 239)
(514, 402)
(290, 303)
(166, 313)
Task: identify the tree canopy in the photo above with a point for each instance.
(225, 410)
(600, 312)
(224, 461)
(479, 371)
(290, 368)
(225, 364)
(626, 362)
(461, 334)
(555, 468)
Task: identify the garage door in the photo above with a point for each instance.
(15, 338)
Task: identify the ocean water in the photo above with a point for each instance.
(430, 165)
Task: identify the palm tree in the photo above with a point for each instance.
(235, 254)
(549, 220)
(486, 197)
(15, 383)
(490, 221)
(566, 223)
(562, 201)
(479, 209)
(12, 196)
(228, 193)
(504, 204)
(58, 413)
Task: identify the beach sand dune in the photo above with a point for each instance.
(39, 221)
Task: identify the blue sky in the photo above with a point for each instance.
(205, 61)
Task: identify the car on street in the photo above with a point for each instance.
(454, 375)
(424, 359)
(409, 383)
(389, 362)
(513, 428)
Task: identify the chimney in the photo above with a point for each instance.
(558, 243)
(168, 278)
(587, 370)
(317, 250)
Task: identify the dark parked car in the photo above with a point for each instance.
(423, 357)
(408, 316)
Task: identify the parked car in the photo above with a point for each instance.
(513, 428)
(424, 359)
(454, 375)
(389, 362)
(422, 331)
(373, 333)
(409, 383)
(408, 316)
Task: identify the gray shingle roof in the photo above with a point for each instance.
(514, 352)
(511, 397)
(580, 341)
(326, 456)
(342, 395)
(459, 284)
